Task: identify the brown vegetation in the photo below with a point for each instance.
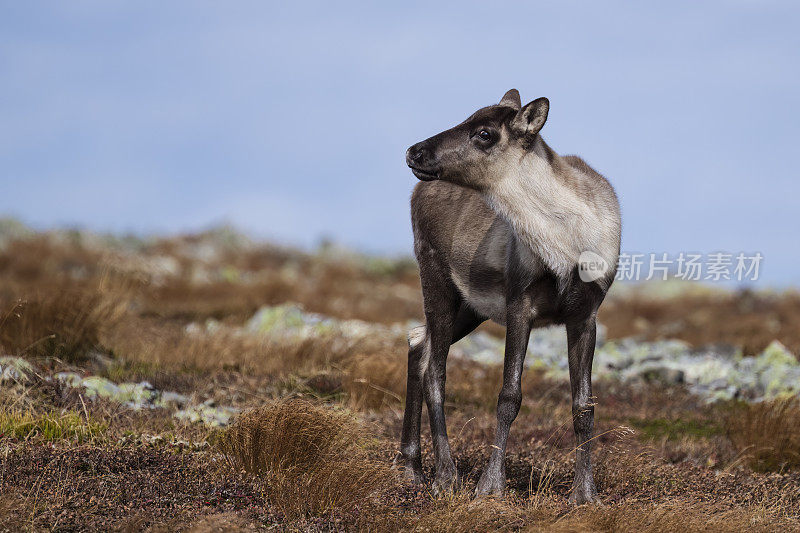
(741, 319)
(314, 457)
(766, 434)
(63, 321)
(314, 447)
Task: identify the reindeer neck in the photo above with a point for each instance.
(550, 208)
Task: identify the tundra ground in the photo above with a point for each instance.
(313, 446)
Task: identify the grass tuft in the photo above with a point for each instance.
(766, 434)
(315, 458)
(66, 322)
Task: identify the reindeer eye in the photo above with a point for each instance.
(485, 135)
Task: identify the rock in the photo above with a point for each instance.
(716, 372)
(171, 400)
(290, 321)
(15, 369)
(144, 396)
(718, 384)
(776, 354)
(99, 387)
(69, 379)
(193, 328)
(163, 266)
(280, 319)
(547, 348)
(137, 395)
(481, 347)
(208, 414)
(664, 375)
(778, 371)
(725, 394)
(134, 395)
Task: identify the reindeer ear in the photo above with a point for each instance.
(531, 118)
(511, 99)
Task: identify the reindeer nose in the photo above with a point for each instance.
(415, 154)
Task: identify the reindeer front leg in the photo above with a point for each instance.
(581, 340)
(446, 478)
(518, 330)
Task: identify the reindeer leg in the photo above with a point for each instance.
(410, 453)
(518, 330)
(440, 335)
(581, 339)
(419, 356)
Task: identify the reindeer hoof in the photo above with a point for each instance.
(414, 475)
(412, 469)
(446, 480)
(492, 483)
(584, 493)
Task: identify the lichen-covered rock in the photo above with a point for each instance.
(547, 348)
(480, 347)
(171, 400)
(778, 370)
(664, 375)
(137, 395)
(290, 321)
(12, 229)
(15, 369)
(133, 395)
(282, 319)
(714, 372)
(99, 387)
(144, 396)
(69, 379)
(208, 413)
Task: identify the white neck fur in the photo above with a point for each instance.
(550, 216)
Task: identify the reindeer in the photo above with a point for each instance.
(500, 224)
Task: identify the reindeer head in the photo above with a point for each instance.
(479, 151)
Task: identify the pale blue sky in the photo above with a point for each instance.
(291, 119)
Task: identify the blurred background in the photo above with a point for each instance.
(290, 120)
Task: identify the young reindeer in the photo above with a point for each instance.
(500, 225)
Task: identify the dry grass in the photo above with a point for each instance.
(371, 371)
(362, 288)
(169, 344)
(12, 507)
(315, 458)
(376, 380)
(239, 280)
(766, 434)
(461, 513)
(227, 522)
(66, 321)
(668, 517)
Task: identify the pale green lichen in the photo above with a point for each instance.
(15, 369)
